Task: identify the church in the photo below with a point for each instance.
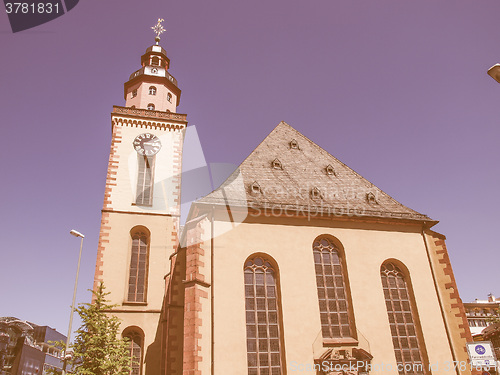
(295, 264)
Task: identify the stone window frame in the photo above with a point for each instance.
(264, 322)
(152, 90)
(136, 348)
(334, 295)
(404, 322)
(137, 286)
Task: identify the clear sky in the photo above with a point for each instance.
(395, 89)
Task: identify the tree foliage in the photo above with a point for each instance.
(98, 349)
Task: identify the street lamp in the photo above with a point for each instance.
(494, 72)
(76, 234)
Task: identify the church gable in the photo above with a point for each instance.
(288, 171)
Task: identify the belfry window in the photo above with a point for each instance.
(263, 322)
(155, 61)
(407, 341)
(334, 301)
(152, 90)
(151, 106)
(135, 347)
(145, 180)
(138, 274)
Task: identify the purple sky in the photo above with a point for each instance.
(395, 89)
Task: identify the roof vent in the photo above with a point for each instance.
(255, 188)
(316, 193)
(370, 198)
(330, 171)
(277, 164)
(294, 144)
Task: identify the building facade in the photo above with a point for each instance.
(295, 264)
(481, 312)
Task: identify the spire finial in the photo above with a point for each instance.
(158, 29)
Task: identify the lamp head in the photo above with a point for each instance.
(76, 234)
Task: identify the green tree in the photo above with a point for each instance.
(97, 349)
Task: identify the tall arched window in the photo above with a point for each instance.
(407, 341)
(138, 276)
(152, 90)
(262, 317)
(155, 61)
(334, 301)
(169, 97)
(136, 339)
(145, 180)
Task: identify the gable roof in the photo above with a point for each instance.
(288, 172)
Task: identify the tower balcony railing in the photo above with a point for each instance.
(162, 72)
(147, 113)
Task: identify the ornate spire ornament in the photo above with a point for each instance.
(158, 29)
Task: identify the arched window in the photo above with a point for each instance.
(334, 301)
(152, 90)
(155, 61)
(407, 341)
(138, 276)
(262, 317)
(145, 180)
(169, 97)
(134, 93)
(136, 339)
(151, 106)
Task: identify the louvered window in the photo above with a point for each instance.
(138, 267)
(263, 318)
(145, 180)
(334, 306)
(135, 347)
(405, 337)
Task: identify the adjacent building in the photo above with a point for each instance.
(481, 312)
(29, 348)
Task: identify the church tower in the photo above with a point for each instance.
(141, 210)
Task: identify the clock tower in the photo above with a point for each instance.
(141, 210)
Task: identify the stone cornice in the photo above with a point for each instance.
(144, 118)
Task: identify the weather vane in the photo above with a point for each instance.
(158, 29)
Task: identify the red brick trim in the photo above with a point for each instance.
(195, 292)
(110, 183)
(453, 308)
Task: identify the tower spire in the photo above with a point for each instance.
(158, 29)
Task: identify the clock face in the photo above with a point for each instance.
(147, 144)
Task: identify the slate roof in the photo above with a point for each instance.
(289, 173)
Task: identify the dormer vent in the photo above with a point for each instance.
(294, 144)
(316, 193)
(277, 164)
(330, 170)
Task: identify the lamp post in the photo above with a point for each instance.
(76, 234)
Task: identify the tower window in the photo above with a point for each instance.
(135, 347)
(152, 90)
(334, 304)
(151, 106)
(264, 347)
(138, 265)
(145, 180)
(169, 97)
(155, 61)
(406, 339)
(134, 93)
